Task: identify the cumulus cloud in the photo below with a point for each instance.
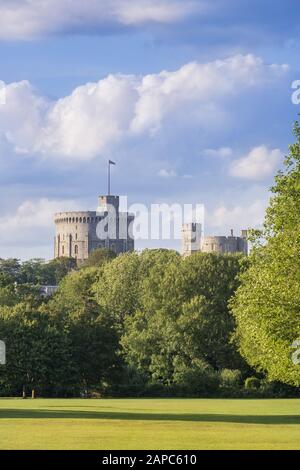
(22, 115)
(240, 216)
(21, 19)
(258, 164)
(96, 117)
(32, 222)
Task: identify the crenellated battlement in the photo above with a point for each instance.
(77, 217)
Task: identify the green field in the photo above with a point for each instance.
(149, 424)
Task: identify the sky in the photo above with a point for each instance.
(191, 99)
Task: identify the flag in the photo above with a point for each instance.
(111, 162)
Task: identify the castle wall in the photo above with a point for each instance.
(192, 241)
(222, 244)
(73, 231)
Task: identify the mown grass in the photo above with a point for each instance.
(149, 424)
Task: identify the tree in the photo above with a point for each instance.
(12, 268)
(56, 269)
(98, 258)
(33, 272)
(12, 292)
(38, 351)
(267, 304)
(75, 296)
(182, 315)
(91, 330)
(117, 288)
(37, 271)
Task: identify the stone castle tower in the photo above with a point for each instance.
(191, 238)
(79, 233)
(193, 241)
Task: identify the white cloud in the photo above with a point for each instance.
(240, 216)
(164, 173)
(258, 164)
(93, 117)
(21, 19)
(98, 116)
(32, 223)
(22, 116)
(198, 88)
(221, 152)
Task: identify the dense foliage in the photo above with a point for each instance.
(149, 323)
(36, 271)
(267, 304)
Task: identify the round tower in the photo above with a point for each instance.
(77, 233)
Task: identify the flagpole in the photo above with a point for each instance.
(110, 162)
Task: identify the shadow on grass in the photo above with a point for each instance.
(126, 416)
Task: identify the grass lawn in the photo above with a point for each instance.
(149, 424)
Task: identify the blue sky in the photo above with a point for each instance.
(191, 99)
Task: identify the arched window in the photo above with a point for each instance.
(63, 250)
(76, 249)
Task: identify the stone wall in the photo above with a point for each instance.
(223, 244)
(193, 242)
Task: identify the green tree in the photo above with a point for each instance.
(38, 351)
(182, 315)
(267, 304)
(56, 269)
(12, 292)
(32, 271)
(12, 268)
(98, 258)
(92, 333)
(117, 289)
(37, 271)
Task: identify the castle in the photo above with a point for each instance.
(193, 241)
(79, 233)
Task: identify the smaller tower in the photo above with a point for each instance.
(191, 238)
(107, 202)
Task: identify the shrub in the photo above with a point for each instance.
(198, 380)
(230, 378)
(252, 383)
